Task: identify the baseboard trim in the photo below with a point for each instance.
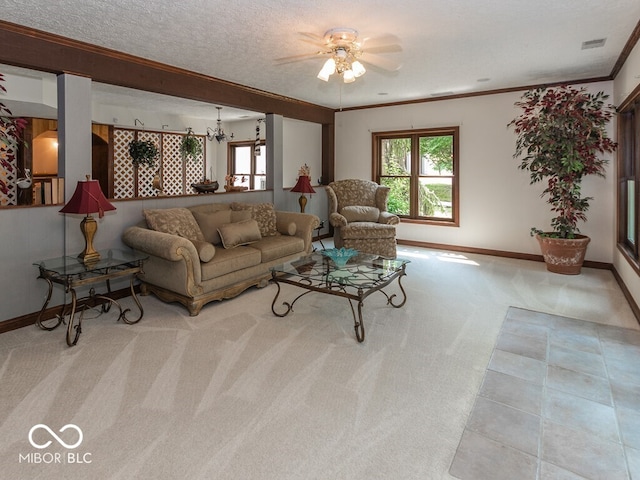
(51, 312)
(627, 294)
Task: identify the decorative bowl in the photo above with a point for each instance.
(205, 187)
(340, 256)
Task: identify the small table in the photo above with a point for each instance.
(359, 278)
(71, 273)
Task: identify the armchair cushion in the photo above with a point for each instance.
(360, 213)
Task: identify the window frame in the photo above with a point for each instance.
(231, 161)
(414, 135)
(628, 163)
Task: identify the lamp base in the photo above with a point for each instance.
(303, 202)
(89, 227)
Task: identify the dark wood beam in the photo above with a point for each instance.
(35, 49)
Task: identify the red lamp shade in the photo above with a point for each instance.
(303, 186)
(87, 199)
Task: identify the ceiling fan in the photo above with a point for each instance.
(346, 53)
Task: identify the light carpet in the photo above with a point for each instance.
(237, 393)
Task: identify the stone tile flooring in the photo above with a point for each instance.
(560, 400)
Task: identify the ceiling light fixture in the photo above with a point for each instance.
(217, 133)
(344, 56)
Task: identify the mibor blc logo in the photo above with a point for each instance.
(55, 457)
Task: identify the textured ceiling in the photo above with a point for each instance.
(448, 46)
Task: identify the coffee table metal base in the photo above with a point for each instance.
(341, 291)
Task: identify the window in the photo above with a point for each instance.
(248, 163)
(628, 180)
(421, 168)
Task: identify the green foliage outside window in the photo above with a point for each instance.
(437, 152)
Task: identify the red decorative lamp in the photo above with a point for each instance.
(87, 199)
(303, 186)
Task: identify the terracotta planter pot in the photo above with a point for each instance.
(564, 255)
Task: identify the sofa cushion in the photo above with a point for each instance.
(210, 222)
(360, 213)
(206, 251)
(230, 260)
(272, 248)
(263, 213)
(176, 221)
(239, 233)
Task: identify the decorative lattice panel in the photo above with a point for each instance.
(194, 169)
(123, 174)
(146, 173)
(173, 174)
(172, 165)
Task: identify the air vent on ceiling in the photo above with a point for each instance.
(597, 43)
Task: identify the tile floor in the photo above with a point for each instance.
(560, 400)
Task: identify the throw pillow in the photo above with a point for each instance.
(263, 213)
(205, 250)
(239, 233)
(360, 213)
(209, 223)
(292, 228)
(176, 221)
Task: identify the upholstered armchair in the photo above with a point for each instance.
(359, 217)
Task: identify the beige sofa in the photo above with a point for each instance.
(216, 250)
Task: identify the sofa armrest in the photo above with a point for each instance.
(388, 218)
(305, 224)
(175, 257)
(159, 244)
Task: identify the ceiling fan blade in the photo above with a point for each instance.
(313, 39)
(390, 48)
(372, 42)
(297, 58)
(379, 61)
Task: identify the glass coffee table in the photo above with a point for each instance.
(360, 277)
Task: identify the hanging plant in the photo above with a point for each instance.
(190, 146)
(143, 152)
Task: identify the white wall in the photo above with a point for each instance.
(498, 207)
(626, 81)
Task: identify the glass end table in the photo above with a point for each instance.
(72, 273)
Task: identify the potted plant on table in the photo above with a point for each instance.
(561, 138)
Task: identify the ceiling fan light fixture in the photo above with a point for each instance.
(358, 69)
(328, 69)
(348, 76)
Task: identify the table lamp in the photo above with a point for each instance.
(303, 186)
(87, 199)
